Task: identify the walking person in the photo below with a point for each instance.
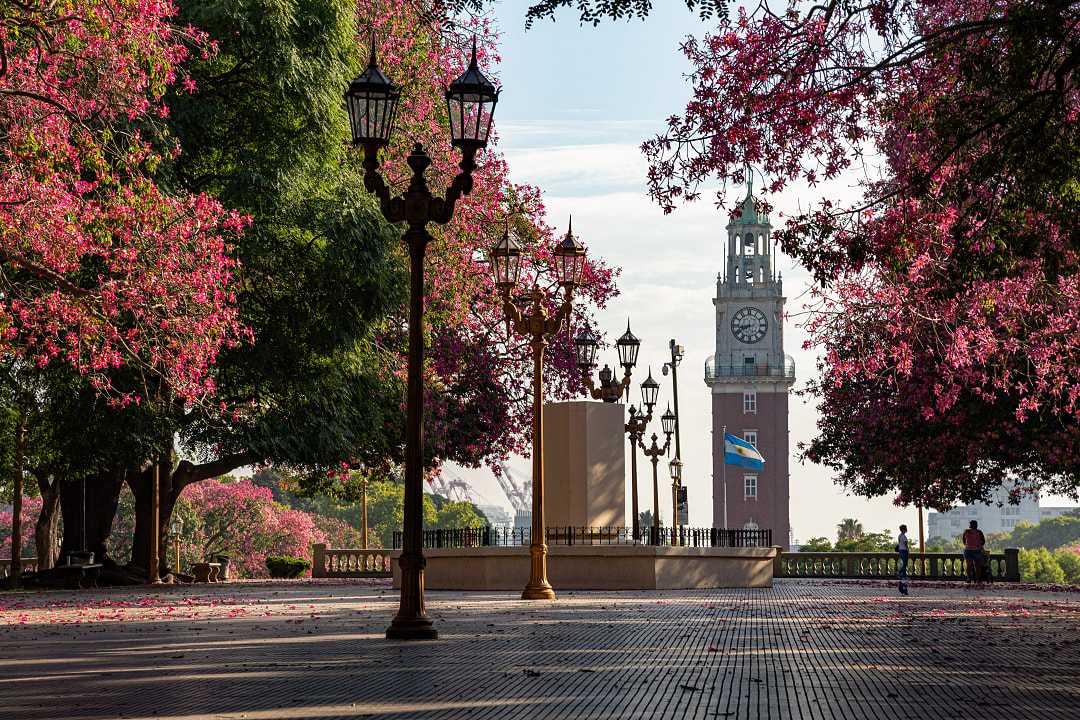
(901, 566)
(974, 547)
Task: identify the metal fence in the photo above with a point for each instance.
(490, 536)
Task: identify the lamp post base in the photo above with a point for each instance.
(538, 587)
(538, 592)
(417, 628)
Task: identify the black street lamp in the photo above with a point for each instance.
(667, 420)
(372, 102)
(677, 353)
(610, 390)
(534, 321)
(653, 453)
(635, 430)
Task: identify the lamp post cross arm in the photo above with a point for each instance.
(536, 322)
(418, 205)
(655, 451)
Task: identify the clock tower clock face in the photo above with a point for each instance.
(749, 325)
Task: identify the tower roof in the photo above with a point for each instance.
(747, 213)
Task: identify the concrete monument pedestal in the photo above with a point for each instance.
(584, 472)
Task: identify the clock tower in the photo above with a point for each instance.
(749, 377)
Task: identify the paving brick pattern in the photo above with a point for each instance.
(802, 649)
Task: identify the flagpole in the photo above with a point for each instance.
(723, 470)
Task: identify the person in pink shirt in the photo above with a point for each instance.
(974, 543)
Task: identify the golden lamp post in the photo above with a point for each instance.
(675, 467)
(363, 513)
(538, 324)
(372, 100)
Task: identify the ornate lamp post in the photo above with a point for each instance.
(372, 103)
(154, 576)
(610, 390)
(635, 430)
(677, 352)
(363, 513)
(675, 468)
(177, 528)
(536, 323)
(654, 452)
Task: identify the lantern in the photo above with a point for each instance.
(506, 262)
(649, 390)
(585, 345)
(470, 103)
(569, 258)
(372, 103)
(628, 347)
(667, 421)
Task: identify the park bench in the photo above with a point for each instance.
(206, 572)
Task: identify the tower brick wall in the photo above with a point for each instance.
(770, 508)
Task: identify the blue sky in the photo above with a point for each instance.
(576, 104)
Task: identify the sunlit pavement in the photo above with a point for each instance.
(305, 650)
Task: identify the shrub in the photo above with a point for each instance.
(284, 566)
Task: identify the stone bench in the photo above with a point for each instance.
(206, 572)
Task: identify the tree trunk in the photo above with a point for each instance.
(142, 487)
(47, 528)
(16, 501)
(173, 482)
(102, 498)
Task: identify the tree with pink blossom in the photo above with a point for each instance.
(102, 267)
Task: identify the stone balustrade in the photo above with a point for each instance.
(29, 564)
(883, 566)
(349, 563)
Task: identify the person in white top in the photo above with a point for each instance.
(901, 565)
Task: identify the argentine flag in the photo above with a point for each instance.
(739, 452)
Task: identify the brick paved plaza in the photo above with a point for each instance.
(303, 650)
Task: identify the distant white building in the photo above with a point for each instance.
(996, 517)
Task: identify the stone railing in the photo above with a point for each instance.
(348, 563)
(931, 566)
(29, 564)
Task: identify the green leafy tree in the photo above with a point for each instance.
(945, 545)
(868, 542)
(1039, 566)
(460, 515)
(320, 271)
(386, 504)
(816, 544)
(1069, 562)
(1050, 533)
